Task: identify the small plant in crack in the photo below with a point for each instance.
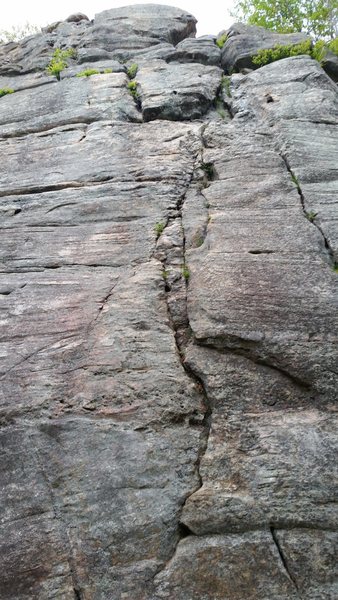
(335, 267)
(295, 180)
(159, 228)
(132, 87)
(132, 70)
(220, 108)
(185, 272)
(225, 85)
(198, 240)
(165, 274)
(5, 91)
(208, 169)
(88, 73)
(221, 40)
(311, 215)
(59, 61)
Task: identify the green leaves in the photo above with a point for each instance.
(264, 57)
(318, 18)
(59, 61)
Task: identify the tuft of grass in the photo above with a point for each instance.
(131, 72)
(108, 71)
(335, 267)
(5, 91)
(132, 87)
(185, 272)
(59, 61)
(88, 73)
(295, 180)
(269, 55)
(208, 169)
(165, 274)
(159, 228)
(198, 241)
(311, 215)
(220, 108)
(221, 40)
(225, 84)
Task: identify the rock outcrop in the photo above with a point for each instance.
(168, 318)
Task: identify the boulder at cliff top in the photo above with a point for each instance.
(244, 41)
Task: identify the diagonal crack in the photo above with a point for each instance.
(302, 200)
(283, 558)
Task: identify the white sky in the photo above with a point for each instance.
(212, 15)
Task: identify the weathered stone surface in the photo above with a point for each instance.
(175, 91)
(201, 50)
(244, 41)
(74, 100)
(226, 568)
(168, 320)
(121, 31)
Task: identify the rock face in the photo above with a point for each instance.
(168, 319)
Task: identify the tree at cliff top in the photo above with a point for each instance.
(318, 18)
(18, 32)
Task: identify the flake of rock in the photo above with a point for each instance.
(225, 568)
(201, 50)
(244, 41)
(176, 91)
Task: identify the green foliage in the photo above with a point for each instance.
(158, 228)
(88, 73)
(185, 272)
(5, 91)
(208, 169)
(321, 48)
(225, 84)
(220, 108)
(108, 71)
(335, 267)
(221, 40)
(131, 72)
(132, 87)
(59, 61)
(311, 215)
(264, 57)
(318, 18)
(18, 32)
(165, 274)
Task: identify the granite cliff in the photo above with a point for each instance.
(168, 315)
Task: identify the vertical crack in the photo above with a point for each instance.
(308, 215)
(176, 283)
(283, 558)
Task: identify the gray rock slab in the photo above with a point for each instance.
(103, 97)
(176, 91)
(63, 157)
(244, 41)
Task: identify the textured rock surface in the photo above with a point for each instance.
(168, 319)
